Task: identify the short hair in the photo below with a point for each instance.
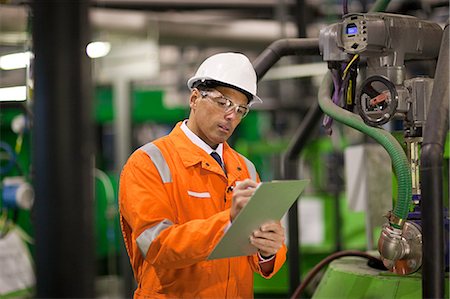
(208, 84)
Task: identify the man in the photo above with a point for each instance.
(179, 194)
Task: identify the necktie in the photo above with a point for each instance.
(218, 159)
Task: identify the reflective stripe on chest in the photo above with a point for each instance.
(164, 171)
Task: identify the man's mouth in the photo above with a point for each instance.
(224, 128)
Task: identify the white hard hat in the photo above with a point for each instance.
(232, 69)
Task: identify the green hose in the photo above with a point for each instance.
(380, 5)
(398, 156)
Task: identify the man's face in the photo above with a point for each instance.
(215, 113)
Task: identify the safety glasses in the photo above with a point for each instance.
(224, 103)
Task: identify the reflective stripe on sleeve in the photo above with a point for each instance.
(158, 159)
(146, 238)
(251, 168)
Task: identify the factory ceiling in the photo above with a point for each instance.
(244, 23)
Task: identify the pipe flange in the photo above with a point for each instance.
(411, 261)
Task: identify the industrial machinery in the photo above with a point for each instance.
(385, 42)
(16, 201)
(369, 88)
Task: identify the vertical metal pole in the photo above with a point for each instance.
(122, 122)
(63, 150)
(290, 169)
(432, 156)
(123, 148)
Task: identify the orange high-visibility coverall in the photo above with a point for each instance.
(174, 209)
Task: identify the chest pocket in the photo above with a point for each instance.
(199, 194)
(204, 194)
(200, 205)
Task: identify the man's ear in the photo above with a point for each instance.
(195, 96)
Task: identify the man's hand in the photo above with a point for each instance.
(268, 239)
(241, 194)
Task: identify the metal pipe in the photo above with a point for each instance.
(284, 47)
(276, 50)
(301, 17)
(63, 150)
(290, 163)
(435, 132)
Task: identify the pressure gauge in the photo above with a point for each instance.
(377, 101)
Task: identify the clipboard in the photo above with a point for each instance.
(270, 201)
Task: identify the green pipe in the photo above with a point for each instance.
(380, 5)
(398, 156)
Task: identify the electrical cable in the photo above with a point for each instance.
(325, 262)
(350, 87)
(327, 120)
(344, 74)
(340, 83)
(344, 7)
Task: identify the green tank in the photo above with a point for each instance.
(351, 277)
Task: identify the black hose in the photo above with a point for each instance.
(435, 132)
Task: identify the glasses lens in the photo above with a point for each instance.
(224, 103)
(242, 111)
